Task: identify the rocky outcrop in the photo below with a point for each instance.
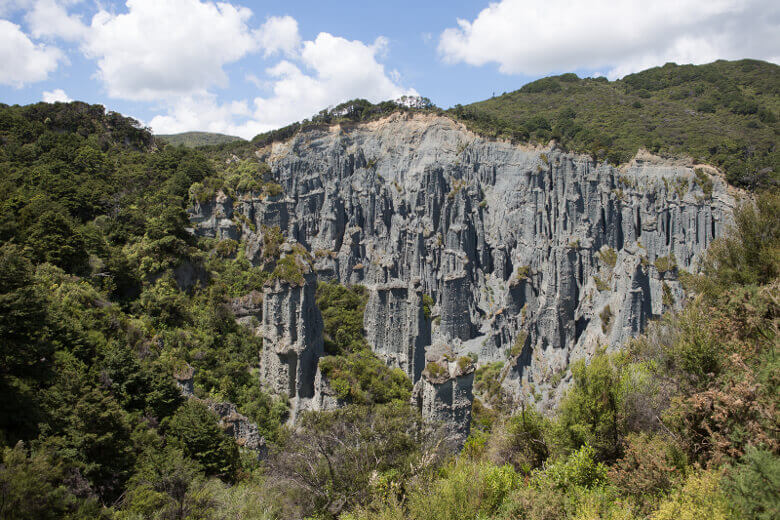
(443, 394)
(506, 240)
(292, 332)
(238, 426)
(184, 378)
(248, 310)
(241, 428)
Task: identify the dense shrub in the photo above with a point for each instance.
(750, 254)
(520, 441)
(751, 486)
(591, 412)
(468, 490)
(195, 431)
(650, 468)
(700, 497)
(329, 461)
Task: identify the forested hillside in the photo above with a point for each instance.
(195, 139)
(106, 295)
(724, 113)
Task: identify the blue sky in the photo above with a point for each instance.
(243, 67)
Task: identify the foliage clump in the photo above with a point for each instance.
(608, 257)
(427, 301)
(665, 264)
(436, 371)
(354, 372)
(523, 271)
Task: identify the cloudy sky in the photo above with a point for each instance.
(244, 67)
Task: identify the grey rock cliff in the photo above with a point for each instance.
(507, 240)
(396, 326)
(292, 338)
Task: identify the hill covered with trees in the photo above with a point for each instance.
(724, 113)
(195, 139)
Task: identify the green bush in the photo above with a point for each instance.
(520, 440)
(34, 487)
(166, 483)
(361, 377)
(700, 497)
(436, 370)
(427, 301)
(608, 256)
(704, 181)
(665, 264)
(751, 485)
(342, 313)
(468, 490)
(523, 272)
(290, 269)
(329, 464)
(650, 468)
(198, 435)
(591, 412)
(749, 253)
(578, 470)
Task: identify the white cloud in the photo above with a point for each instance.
(201, 112)
(335, 70)
(21, 60)
(279, 33)
(160, 50)
(174, 53)
(55, 95)
(9, 6)
(50, 18)
(328, 71)
(622, 36)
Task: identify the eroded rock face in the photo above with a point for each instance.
(292, 339)
(396, 326)
(445, 396)
(506, 240)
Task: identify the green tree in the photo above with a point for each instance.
(23, 352)
(195, 430)
(752, 485)
(54, 239)
(166, 486)
(98, 438)
(31, 488)
(591, 412)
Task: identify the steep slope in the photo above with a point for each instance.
(468, 246)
